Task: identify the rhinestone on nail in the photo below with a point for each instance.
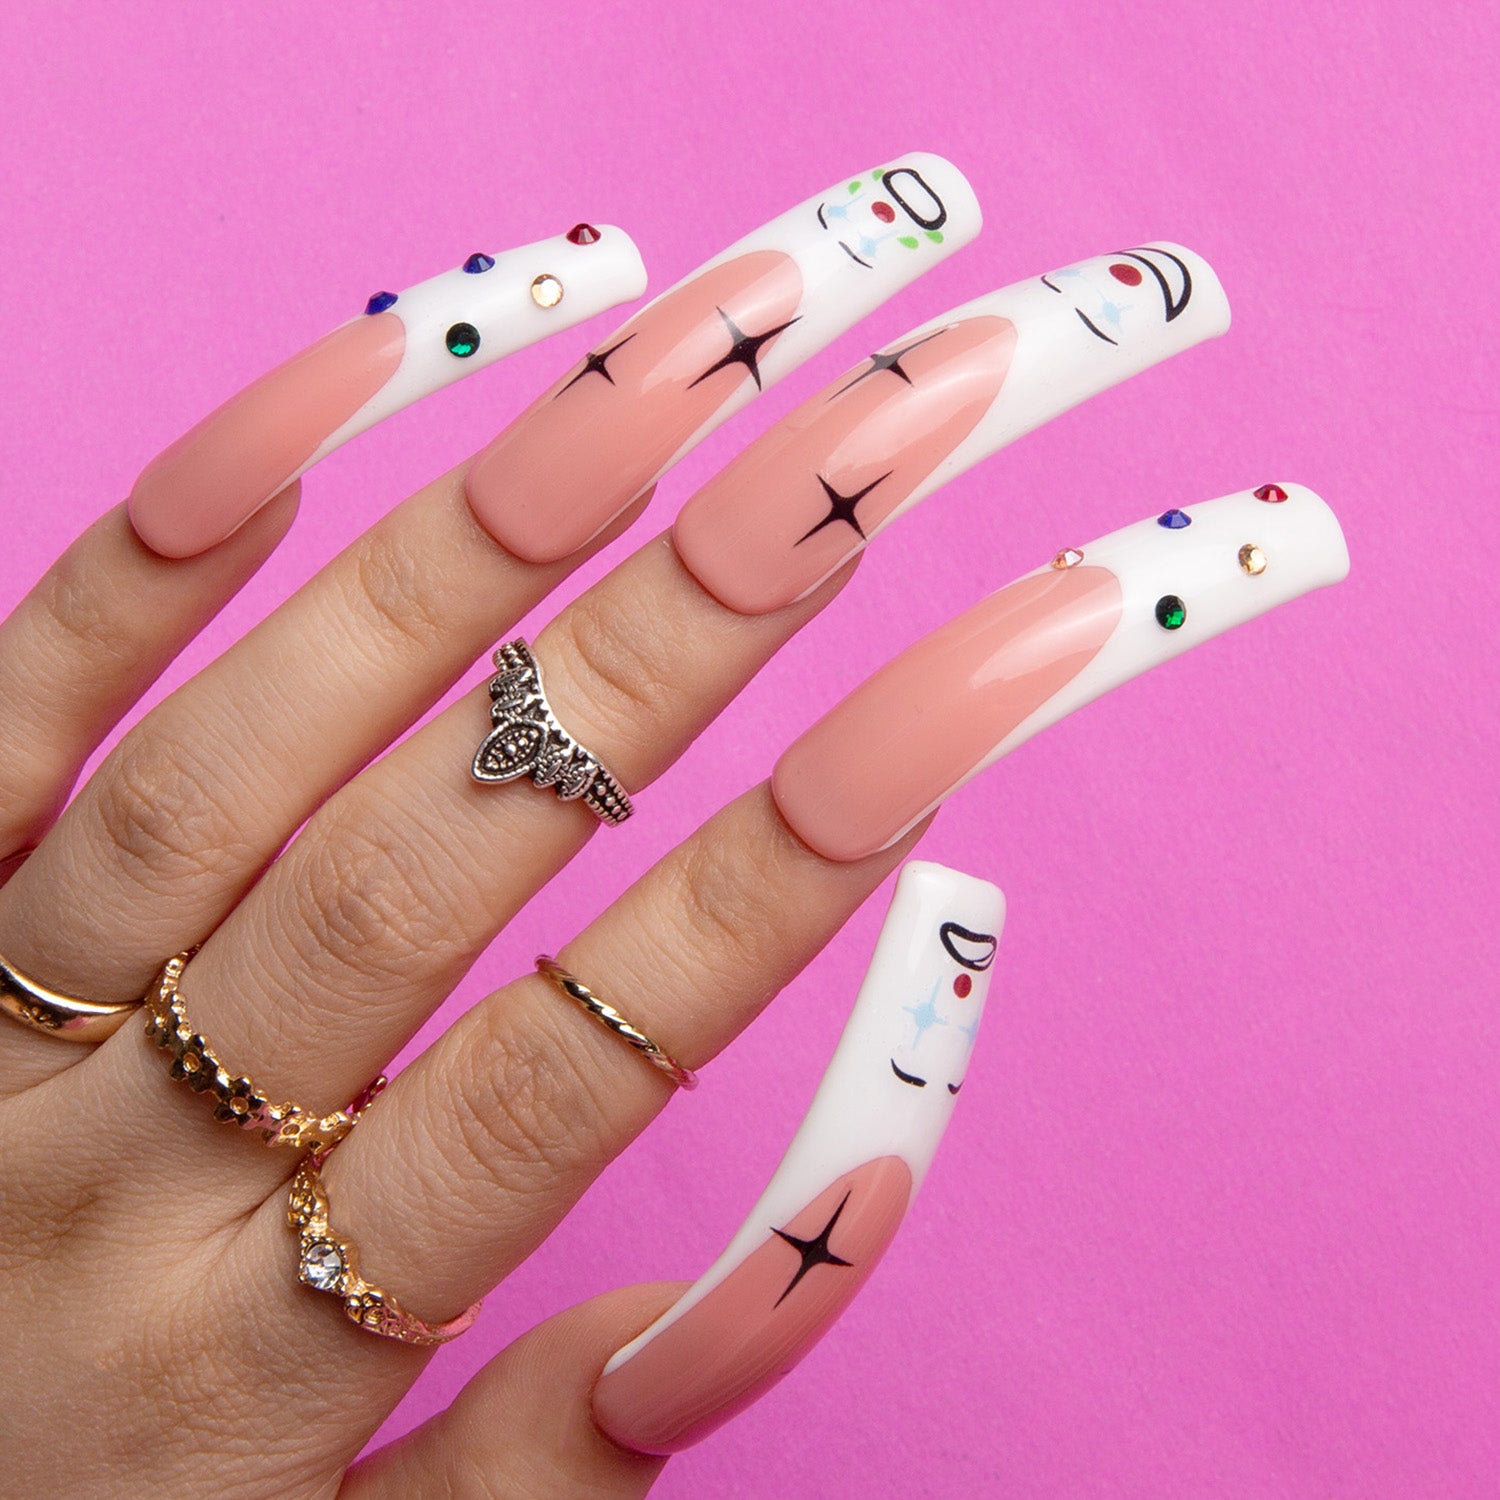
(1069, 557)
(479, 262)
(1252, 559)
(1272, 494)
(1174, 520)
(546, 290)
(584, 234)
(1171, 612)
(379, 302)
(462, 340)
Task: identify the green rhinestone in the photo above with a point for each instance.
(1171, 612)
(462, 340)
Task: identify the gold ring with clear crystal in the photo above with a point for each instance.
(23, 999)
(327, 1263)
(236, 1101)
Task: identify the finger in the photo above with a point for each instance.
(520, 1105)
(403, 347)
(97, 630)
(774, 525)
(189, 810)
(843, 1188)
(709, 345)
(765, 532)
(522, 1425)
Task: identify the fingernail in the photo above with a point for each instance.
(1095, 617)
(609, 428)
(838, 1197)
(815, 489)
(403, 346)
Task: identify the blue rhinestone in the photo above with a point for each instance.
(380, 301)
(478, 262)
(1174, 520)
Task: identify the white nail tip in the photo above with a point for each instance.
(501, 304)
(917, 1015)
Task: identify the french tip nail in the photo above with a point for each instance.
(399, 347)
(950, 706)
(844, 1186)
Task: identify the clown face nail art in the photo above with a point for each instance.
(403, 346)
(843, 1187)
(691, 359)
(806, 497)
(970, 692)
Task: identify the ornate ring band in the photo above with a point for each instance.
(527, 740)
(65, 1016)
(574, 988)
(236, 1100)
(330, 1264)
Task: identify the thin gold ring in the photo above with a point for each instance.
(328, 1263)
(575, 989)
(237, 1101)
(56, 1014)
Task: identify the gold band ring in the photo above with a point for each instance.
(236, 1100)
(330, 1264)
(574, 988)
(56, 1014)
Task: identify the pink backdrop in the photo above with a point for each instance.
(1217, 1212)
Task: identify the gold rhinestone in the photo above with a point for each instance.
(1069, 557)
(1252, 559)
(546, 291)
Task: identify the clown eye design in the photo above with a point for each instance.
(910, 190)
(1173, 279)
(911, 1078)
(974, 950)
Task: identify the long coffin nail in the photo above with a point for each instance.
(973, 690)
(817, 487)
(610, 427)
(843, 1187)
(402, 347)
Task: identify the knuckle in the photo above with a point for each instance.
(391, 587)
(85, 616)
(368, 900)
(525, 1113)
(721, 904)
(625, 672)
(157, 810)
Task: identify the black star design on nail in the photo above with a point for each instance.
(595, 364)
(745, 349)
(891, 362)
(842, 507)
(814, 1252)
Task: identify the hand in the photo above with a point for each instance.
(146, 1258)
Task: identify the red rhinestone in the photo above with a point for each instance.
(962, 985)
(1128, 274)
(885, 213)
(1273, 494)
(583, 234)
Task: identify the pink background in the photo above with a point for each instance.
(1217, 1214)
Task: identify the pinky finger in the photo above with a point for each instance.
(522, 1426)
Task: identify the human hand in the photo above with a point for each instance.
(146, 1255)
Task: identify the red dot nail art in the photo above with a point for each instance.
(1128, 274)
(885, 213)
(962, 985)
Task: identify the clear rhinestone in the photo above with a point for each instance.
(322, 1265)
(1252, 559)
(1069, 557)
(546, 291)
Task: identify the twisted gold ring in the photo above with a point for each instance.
(575, 989)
